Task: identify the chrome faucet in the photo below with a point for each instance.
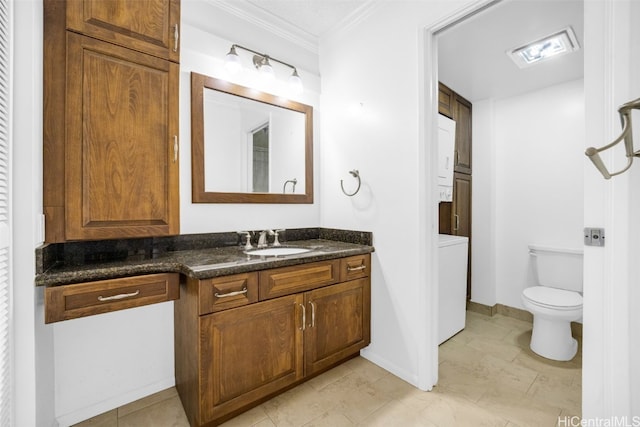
(262, 240)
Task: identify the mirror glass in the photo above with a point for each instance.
(249, 146)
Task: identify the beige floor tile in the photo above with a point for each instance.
(497, 348)
(250, 418)
(487, 329)
(397, 413)
(508, 374)
(108, 419)
(454, 411)
(519, 408)
(297, 406)
(362, 366)
(330, 419)
(511, 323)
(147, 401)
(468, 381)
(167, 413)
(354, 396)
(555, 391)
(331, 376)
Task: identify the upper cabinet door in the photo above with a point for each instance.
(462, 116)
(149, 26)
(121, 162)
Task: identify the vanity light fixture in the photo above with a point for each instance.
(556, 44)
(262, 63)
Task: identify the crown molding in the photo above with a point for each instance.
(269, 22)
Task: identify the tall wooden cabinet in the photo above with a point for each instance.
(111, 82)
(455, 216)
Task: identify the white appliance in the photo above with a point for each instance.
(452, 282)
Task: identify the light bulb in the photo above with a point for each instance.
(266, 70)
(295, 82)
(232, 61)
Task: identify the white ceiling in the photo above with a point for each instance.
(471, 54)
(472, 58)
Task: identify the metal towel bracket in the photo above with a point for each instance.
(626, 135)
(355, 174)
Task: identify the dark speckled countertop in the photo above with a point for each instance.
(199, 256)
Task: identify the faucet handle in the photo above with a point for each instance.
(276, 242)
(247, 245)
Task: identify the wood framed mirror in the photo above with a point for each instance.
(248, 146)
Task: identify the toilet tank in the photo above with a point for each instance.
(557, 267)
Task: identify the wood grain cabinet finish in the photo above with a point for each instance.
(231, 360)
(110, 121)
(283, 281)
(337, 323)
(445, 101)
(249, 353)
(149, 26)
(86, 299)
(121, 163)
(462, 117)
(222, 293)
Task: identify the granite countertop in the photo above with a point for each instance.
(200, 263)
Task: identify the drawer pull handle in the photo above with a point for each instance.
(359, 268)
(119, 296)
(176, 37)
(230, 294)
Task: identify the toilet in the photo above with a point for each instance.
(556, 301)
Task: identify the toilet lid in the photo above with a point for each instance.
(553, 297)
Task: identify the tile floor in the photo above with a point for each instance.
(488, 377)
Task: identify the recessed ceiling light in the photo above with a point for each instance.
(556, 44)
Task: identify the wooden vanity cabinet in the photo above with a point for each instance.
(110, 164)
(230, 360)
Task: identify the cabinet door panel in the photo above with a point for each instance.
(338, 322)
(462, 116)
(248, 353)
(121, 160)
(150, 26)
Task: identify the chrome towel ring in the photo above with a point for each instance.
(355, 174)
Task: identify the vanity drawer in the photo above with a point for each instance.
(355, 267)
(288, 280)
(226, 292)
(86, 299)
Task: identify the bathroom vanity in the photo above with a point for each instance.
(242, 338)
(247, 326)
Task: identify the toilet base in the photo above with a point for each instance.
(551, 338)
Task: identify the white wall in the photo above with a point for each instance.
(372, 121)
(528, 185)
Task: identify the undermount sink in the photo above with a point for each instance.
(277, 251)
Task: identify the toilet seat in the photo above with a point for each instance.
(558, 299)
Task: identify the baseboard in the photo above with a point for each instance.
(85, 413)
(516, 313)
(476, 307)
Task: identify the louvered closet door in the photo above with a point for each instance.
(5, 235)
